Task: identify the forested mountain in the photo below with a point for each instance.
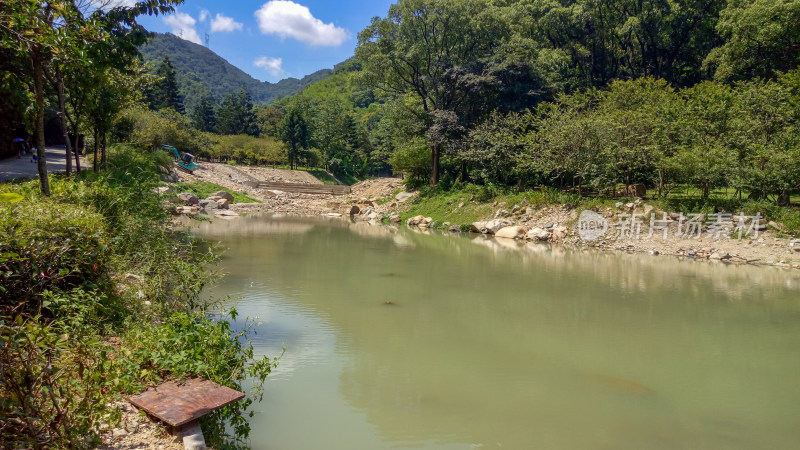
(201, 71)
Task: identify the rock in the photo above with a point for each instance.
(187, 198)
(618, 205)
(222, 203)
(446, 224)
(775, 225)
(223, 194)
(795, 245)
(493, 226)
(630, 206)
(373, 215)
(132, 276)
(415, 221)
(523, 203)
(501, 213)
(559, 234)
(355, 210)
(512, 232)
(675, 216)
(393, 205)
(454, 229)
(274, 192)
(538, 234)
(395, 218)
(208, 205)
(515, 210)
(715, 256)
(119, 433)
(634, 190)
(478, 227)
(403, 196)
(333, 215)
(648, 209)
(529, 211)
(461, 205)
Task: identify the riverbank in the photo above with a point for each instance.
(99, 299)
(537, 215)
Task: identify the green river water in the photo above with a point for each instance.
(396, 339)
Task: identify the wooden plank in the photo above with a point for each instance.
(177, 404)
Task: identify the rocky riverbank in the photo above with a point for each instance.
(383, 200)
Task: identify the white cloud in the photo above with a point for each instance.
(203, 15)
(222, 23)
(272, 65)
(183, 26)
(289, 19)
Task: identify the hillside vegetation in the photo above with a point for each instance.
(200, 72)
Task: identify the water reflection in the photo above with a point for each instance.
(396, 339)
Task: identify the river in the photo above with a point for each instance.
(396, 339)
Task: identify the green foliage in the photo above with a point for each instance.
(235, 115)
(294, 132)
(64, 298)
(164, 93)
(203, 115)
(760, 39)
(201, 72)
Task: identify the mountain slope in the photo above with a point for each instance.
(202, 71)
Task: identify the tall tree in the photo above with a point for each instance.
(165, 92)
(235, 114)
(294, 132)
(203, 115)
(428, 49)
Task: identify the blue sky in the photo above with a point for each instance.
(272, 40)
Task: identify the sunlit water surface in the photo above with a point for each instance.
(400, 340)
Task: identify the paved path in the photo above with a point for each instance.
(14, 167)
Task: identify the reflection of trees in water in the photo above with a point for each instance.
(524, 346)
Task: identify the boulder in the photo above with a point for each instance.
(478, 227)
(223, 194)
(559, 234)
(415, 221)
(493, 226)
(775, 225)
(538, 234)
(512, 232)
(222, 203)
(648, 209)
(501, 213)
(461, 205)
(515, 210)
(795, 245)
(529, 211)
(403, 196)
(395, 218)
(187, 198)
(354, 210)
(634, 190)
(454, 229)
(425, 222)
(208, 205)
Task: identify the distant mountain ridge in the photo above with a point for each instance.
(201, 71)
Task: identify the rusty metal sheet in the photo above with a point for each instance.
(179, 403)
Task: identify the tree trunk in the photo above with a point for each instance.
(62, 115)
(435, 165)
(95, 150)
(76, 147)
(38, 88)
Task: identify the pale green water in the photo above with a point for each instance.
(489, 347)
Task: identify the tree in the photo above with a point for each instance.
(428, 49)
(203, 115)
(761, 37)
(268, 119)
(165, 93)
(294, 132)
(235, 115)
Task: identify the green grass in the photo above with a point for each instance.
(321, 175)
(203, 189)
(442, 205)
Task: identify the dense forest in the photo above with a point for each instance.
(574, 94)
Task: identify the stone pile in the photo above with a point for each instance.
(216, 204)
